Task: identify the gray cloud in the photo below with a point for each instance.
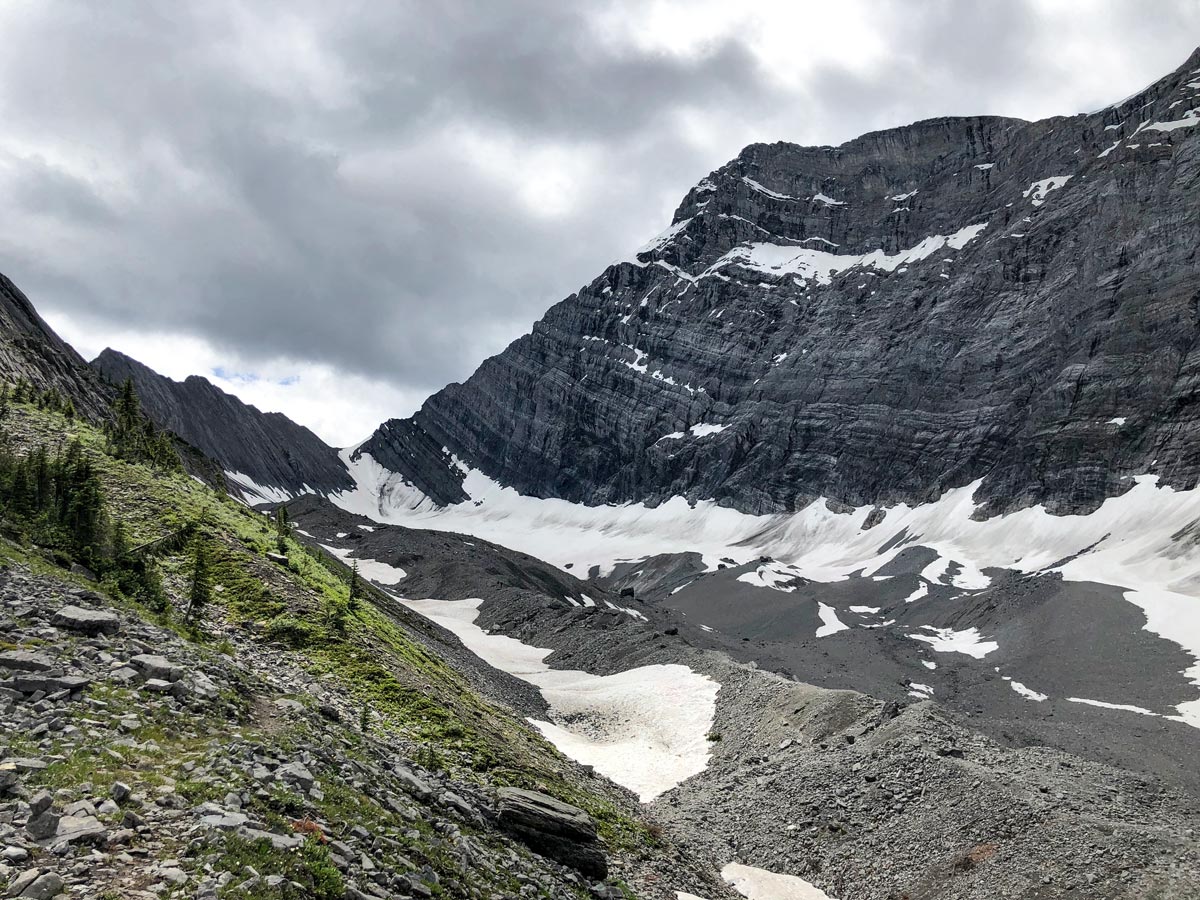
(397, 190)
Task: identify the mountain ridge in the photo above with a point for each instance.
(266, 455)
(1011, 357)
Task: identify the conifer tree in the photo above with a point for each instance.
(201, 589)
(355, 588)
(282, 529)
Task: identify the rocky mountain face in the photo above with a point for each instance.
(269, 448)
(30, 349)
(958, 299)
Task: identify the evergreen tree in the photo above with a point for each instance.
(355, 588)
(282, 529)
(69, 410)
(201, 589)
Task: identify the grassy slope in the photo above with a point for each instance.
(408, 691)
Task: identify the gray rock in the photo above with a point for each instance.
(46, 684)
(297, 774)
(25, 661)
(44, 888)
(22, 881)
(154, 666)
(413, 783)
(39, 803)
(86, 621)
(554, 829)
(43, 826)
(79, 829)
(278, 841)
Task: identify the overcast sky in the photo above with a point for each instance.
(333, 209)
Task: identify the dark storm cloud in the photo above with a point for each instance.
(397, 190)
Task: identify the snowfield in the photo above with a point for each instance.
(645, 728)
(1141, 541)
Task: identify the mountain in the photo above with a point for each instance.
(873, 323)
(266, 455)
(30, 349)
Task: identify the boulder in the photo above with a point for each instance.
(25, 661)
(43, 826)
(154, 666)
(32, 683)
(297, 774)
(86, 621)
(44, 887)
(554, 829)
(79, 829)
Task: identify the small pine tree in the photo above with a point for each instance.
(69, 410)
(201, 589)
(364, 721)
(355, 589)
(281, 529)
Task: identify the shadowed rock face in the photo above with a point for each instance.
(30, 349)
(269, 447)
(1052, 353)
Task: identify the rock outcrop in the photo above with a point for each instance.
(30, 349)
(553, 828)
(958, 299)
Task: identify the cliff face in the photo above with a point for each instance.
(270, 448)
(877, 322)
(30, 349)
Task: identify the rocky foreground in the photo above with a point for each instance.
(137, 763)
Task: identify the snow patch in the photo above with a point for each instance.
(371, 569)
(820, 265)
(754, 185)
(644, 728)
(255, 492)
(1039, 190)
(947, 640)
(1121, 706)
(828, 201)
(830, 623)
(1190, 118)
(1027, 693)
(761, 884)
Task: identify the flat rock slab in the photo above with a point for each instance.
(278, 841)
(31, 684)
(86, 621)
(154, 666)
(25, 661)
(554, 829)
(79, 829)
